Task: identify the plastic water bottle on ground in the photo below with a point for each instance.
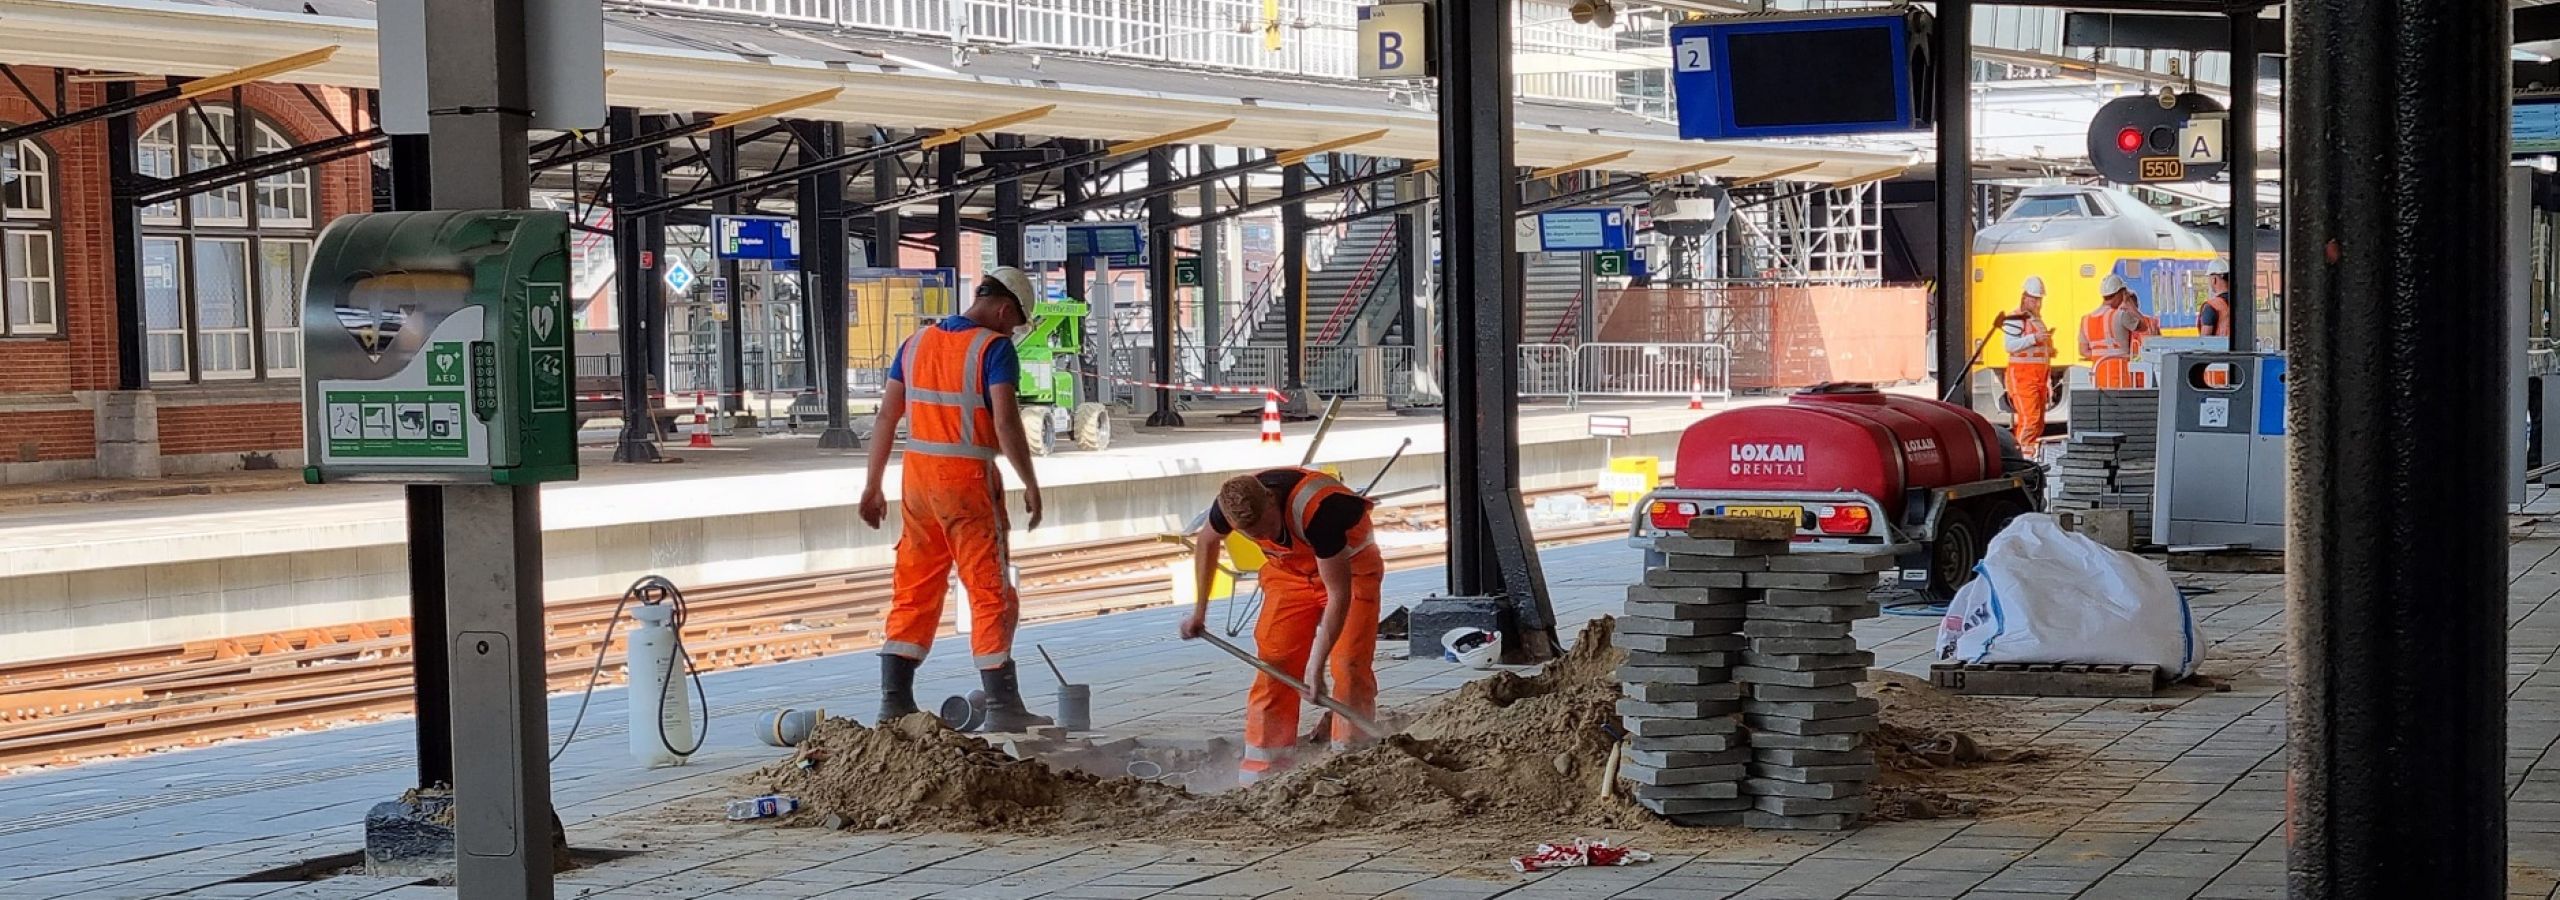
(765, 807)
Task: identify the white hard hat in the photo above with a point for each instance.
(2112, 286)
(2035, 286)
(1018, 283)
(1473, 647)
(2218, 267)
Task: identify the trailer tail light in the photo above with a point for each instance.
(1845, 519)
(1672, 515)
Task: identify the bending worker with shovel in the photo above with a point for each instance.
(1320, 601)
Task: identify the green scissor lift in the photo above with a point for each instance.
(1052, 393)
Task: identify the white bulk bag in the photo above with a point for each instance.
(2046, 595)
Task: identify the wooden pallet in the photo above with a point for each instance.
(2047, 679)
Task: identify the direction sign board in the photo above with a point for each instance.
(1186, 272)
(755, 237)
(1610, 264)
(1122, 245)
(1044, 243)
(1579, 231)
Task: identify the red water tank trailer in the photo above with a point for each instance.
(1836, 438)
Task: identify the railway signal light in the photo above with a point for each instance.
(2140, 138)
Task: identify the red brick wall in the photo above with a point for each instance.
(63, 434)
(229, 429)
(83, 354)
(83, 357)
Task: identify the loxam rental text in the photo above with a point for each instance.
(1855, 469)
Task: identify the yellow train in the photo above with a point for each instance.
(2074, 236)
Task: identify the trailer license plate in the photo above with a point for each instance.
(1791, 514)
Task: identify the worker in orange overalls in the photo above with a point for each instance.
(1320, 586)
(956, 378)
(2030, 373)
(2111, 335)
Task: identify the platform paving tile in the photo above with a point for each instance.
(2181, 796)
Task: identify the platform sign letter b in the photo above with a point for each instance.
(1394, 34)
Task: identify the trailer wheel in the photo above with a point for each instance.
(2001, 511)
(1961, 540)
(1093, 426)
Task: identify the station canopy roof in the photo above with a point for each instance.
(713, 66)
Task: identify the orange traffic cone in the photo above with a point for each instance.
(1270, 418)
(701, 422)
(1697, 394)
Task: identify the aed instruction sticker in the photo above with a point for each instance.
(397, 425)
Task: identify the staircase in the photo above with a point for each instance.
(1350, 299)
(1552, 298)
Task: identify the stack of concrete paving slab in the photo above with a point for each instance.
(1681, 630)
(2106, 470)
(1809, 763)
(1734, 623)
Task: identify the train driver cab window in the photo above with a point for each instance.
(2051, 206)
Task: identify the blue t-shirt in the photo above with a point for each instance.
(1002, 365)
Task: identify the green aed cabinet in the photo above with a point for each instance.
(436, 349)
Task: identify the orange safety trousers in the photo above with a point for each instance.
(954, 517)
(951, 503)
(1293, 600)
(2029, 385)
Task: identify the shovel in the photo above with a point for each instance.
(1337, 707)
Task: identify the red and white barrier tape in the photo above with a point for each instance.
(1193, 388)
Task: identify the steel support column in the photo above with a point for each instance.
(1293, 274)
(2396, 120)
(632, 279)
(492, 534)
(2240, 146)
(1213, 269)
(124, 224)
(946, 210)
(430, 662)
(1954, 57)
(1160, 285)
(1490, 550)
(1071, 191)
(823, 268)
(1009, 211)
(733, 367)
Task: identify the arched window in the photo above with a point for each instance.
(222, 269)
(30, 273)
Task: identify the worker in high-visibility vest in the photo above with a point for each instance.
(2213, 319)
(2030, 372)
(954, 382)
(1320, 582)
(2113, 333)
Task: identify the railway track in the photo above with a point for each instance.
(67, 710)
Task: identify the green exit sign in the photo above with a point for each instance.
(1612, 264)
(1186, 272)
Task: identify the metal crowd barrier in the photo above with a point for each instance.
(1625, 370)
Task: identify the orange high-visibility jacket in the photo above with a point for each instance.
(946, 394)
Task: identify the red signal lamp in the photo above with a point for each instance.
(2129, 139)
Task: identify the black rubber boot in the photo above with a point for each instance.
(897, 687)
(1005, 710)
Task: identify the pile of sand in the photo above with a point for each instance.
(1505, 755)
(917, 773)
(1505, 750)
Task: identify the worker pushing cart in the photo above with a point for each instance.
(1321, 581)
(957, 379)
